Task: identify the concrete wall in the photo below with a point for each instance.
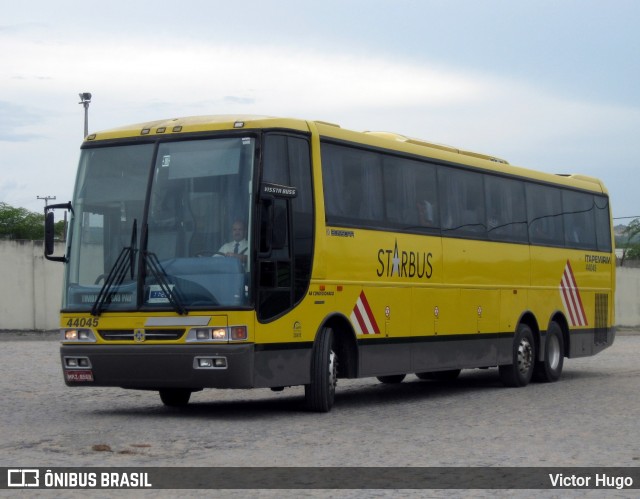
(628, 296)
(31, 288)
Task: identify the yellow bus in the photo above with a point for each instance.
(248, 252)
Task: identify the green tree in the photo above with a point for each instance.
(20, 223)
(631, 250)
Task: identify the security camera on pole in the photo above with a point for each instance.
(85, 100)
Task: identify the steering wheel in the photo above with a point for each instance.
(205, 253)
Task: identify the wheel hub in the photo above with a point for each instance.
(525, 356)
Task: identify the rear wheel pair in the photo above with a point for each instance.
(525, 367)
(549, 369)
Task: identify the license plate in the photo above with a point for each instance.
(79, 376)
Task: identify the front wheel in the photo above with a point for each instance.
(519, 372)
(549, 369)
(320, 392)
(175, 397)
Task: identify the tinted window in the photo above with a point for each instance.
(462, 198)
(352, 185)
(579, 220)
(376, 190)
(603, 231)
(506, 209)
(544, 211)
(411, 197)
(287, 162)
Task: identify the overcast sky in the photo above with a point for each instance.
(552, 85)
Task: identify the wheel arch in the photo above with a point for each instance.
(529, 319)
(560, 319)
(345, 344)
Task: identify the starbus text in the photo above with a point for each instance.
(404, 263)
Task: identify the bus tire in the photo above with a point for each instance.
(520, 371)
(549, 369)
(320, 393)
(440, 375)
(175, 397)
(391, 379)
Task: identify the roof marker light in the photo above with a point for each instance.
(145, 131)
(238, 124)
(177, 128)
(162, 129)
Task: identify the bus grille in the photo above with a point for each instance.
(602, 314)
(149, 334)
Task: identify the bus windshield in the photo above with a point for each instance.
(162, 225)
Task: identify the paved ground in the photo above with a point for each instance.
(589, 418)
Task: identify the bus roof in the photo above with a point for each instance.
(195, 124)
(383, 140)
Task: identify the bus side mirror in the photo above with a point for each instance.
(49, 231)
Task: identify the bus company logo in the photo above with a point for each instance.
(362, 317)
(571, 299)
(23, 478)
(393, 262)
(138, 335)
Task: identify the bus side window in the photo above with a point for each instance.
(506, 209)
(410, 193)
(463, 206)
(603, 234)
(544, 211)
(579, 220)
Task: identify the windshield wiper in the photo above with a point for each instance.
(157, 271)
(124, 262)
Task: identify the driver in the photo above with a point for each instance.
(238, 247)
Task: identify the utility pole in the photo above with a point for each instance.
(85, 100)
(46, 199)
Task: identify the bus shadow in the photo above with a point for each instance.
(413, 389)
(349, 395)
(362, 393)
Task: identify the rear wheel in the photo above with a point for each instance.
(440, 375)
(519, 372)
(175, 397)
(549, 369)
(392, 379)
(320, 393)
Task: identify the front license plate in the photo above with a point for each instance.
(79, 376)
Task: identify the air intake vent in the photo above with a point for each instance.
(149, 334)
(602, 314)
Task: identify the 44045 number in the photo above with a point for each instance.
(82, 322)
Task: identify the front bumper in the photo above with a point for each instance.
(158, 366)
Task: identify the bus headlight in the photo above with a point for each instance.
(80, 335)
(218, 334)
